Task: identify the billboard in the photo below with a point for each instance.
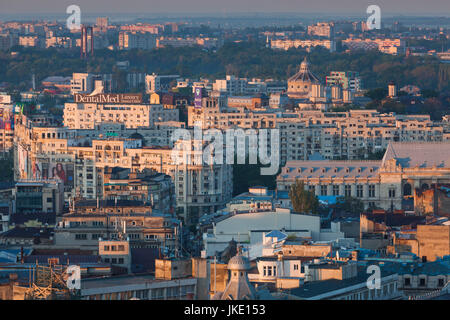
(6, 118)
(57, 171)
(37, 170)
(23, 162)
(5, 98)
(125, 98)
(198, 97)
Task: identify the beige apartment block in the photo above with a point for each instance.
(86, 115)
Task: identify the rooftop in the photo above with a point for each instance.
(419, 154)
(316, 288)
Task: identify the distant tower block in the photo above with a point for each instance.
(336, 93)
(317, 91)
(392, 89)
(87, 42)
(347, 96)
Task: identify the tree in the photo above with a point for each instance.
(303, 200)
(249, 175)
(377, 155)
(350, 205)
(6, 167)
(377, 94)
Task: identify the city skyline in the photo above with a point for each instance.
(301, 152)
(341, 7)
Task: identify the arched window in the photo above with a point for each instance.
(407, 189)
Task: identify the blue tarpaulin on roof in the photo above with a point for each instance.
(328, 199)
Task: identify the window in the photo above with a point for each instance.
(106, 248)
(359, 191)
(335, 190)
(407, 189)
(441, 282)
(348, 190)
(80, 236)
(323, 190)
(422, 282)
(407, 282)
(371, 191)
(391, 193)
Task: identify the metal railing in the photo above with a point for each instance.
(432, 294)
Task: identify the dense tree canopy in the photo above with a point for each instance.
(246, 59)
(302, 200)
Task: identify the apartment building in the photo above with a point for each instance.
(231, 85)
(144, 287)
(148, 186)
(346, 79)
(333, 135)
(83, 231)
(39, 196)
(199, 188)
(86, 83)
(30, 41)
(388, 46)
(86, 115)
(159, 83)
(307, 43)
(321, 29)
(187, 42)
(137, 40)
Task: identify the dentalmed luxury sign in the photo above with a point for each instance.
(125, 98)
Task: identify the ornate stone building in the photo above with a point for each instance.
(300, 84)
(390, 183)
(238, 287)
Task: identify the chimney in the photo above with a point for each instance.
(21, 255)
(13, 277)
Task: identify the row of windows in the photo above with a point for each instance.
(422, 282)
(114, 248)
(347, 190)
(114, 260)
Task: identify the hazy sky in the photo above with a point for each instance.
(406, 7)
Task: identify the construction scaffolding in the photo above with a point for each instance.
(49, 283)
